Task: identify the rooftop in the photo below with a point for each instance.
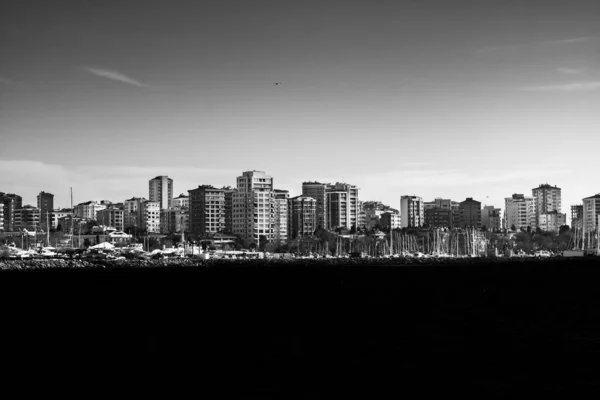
(596, 196)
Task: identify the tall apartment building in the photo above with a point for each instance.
(27, 217)
(207, 210)
(491, 218)
(519, 211)
(591, 211)
(45, 203)
(280, 232)
(132, 212)
(470, 213)
(9, 203)
(412, 211)
(546, 199)
(111, 217)
(318, 191)
(229, 208)
(303, 216)
(160, 189)
(577, 216)
(362, 216)
(254, 206)
(1, 218)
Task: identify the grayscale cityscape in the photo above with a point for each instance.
(300, 199)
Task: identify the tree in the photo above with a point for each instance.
(563, 229)
(59, 228)
(513, 228)
(87, 243)
(262, 242)
(538, 230)
(529, 229)
(484, 228)
(353, 230)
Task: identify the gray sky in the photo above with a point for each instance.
(436, 98)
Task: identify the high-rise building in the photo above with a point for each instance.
(280, 231)
(491, 218)
(303, 216)
(318, 191)
(577, 216)
(45, 203)
(546, 199)
(254, 206)
(161, 190)
(207, 210)
(229, 208)
(470, 213)
(591, 210)
(519, 211)
(342, 206)
(412, 211)
(9, 203)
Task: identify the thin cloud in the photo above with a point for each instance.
(8, 82)
(571, 71)
(113, 75)
(566, 87)
(416, 164)
(571, 40)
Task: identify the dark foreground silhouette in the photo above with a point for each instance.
(258, 331)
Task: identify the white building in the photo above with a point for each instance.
(591, 211)
(88, 209)
(253, 206)
(551, 221)
(342, 206)
(412, 211)
(390, 220)
(160, 189)
(519, 211)
(151, 216)
(281, 215)
(181, 201)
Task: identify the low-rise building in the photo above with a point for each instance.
(591, 210)
(58, 214)
(470, 213)
(491, 218)
(111, 217)
(88, 209)
(390, 220)
(174, 219)
(551, 221)
(28, 218)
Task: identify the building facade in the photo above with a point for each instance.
(9, 203)
(160, 189)
(577, 216)
(281, 215)
(111, 217)
(174, 219)
(151, 216)
(470, 213)
(390, 220)
(303, 216)
(182, 200)
(591, 210)
(412, 211)
(45, 203)
(491, 218)
(546, 199)
(318, 191)
(207, 210)
(438, 217)
(27, 217)
(132, 212)
(88, 209)
(519, 211)
(254, 206)
(551, 221)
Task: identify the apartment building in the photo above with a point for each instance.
(491, 218)
(577, 216)
(181, 201)
(160, 189)
(207, 210)
(438, 217)
(9, 202)
(111, 217)
(591, 211)
(27, 217)
(281, 225)
(174, 219)
(254, 206)
(88, 209)
(390, 220)
(412, 211)
(470, 213)
(519, 211)
(318, 191)
(303, 216)
(551, 221)
(45, 203)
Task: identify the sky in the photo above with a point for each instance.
(434, 98)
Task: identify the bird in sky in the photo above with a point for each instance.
(277, 83)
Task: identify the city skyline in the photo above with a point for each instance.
(478, 99)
